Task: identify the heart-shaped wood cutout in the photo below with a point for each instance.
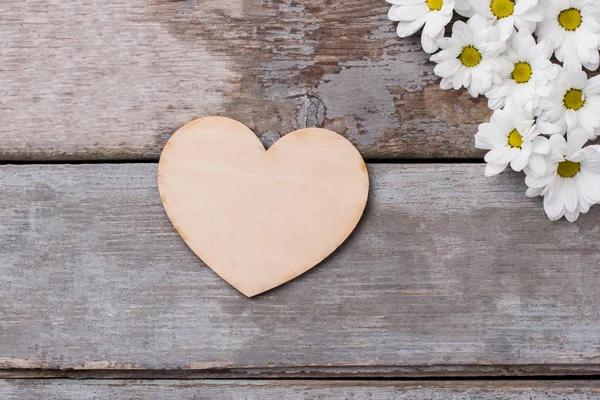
(261, 218)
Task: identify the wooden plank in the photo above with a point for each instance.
(113, 79)
(448, 273)
(296, 390)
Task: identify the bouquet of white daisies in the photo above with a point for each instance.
(544, 112)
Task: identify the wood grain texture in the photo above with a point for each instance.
(448, 273)
(296, 390)
(261, 218)
(113, 79)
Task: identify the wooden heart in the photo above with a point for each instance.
(261, 218)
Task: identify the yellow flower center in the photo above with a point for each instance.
(574, 99)
(502, 8)
(470, 57)
(435, 5)
(568, 169)
(515, 139)
(522, 72)
(570, 19)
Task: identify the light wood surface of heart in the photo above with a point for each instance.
(260, 218)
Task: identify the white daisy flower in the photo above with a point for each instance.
(528, 80)
(573, 26)
(471, 58)
(510, 14)
(513, 138)
(571, 184)
(413, 15)
(574, 103)
(463, 7)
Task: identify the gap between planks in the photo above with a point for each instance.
(378, 373)
(425, 161)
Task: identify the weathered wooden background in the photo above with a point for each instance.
(448, 275)
(112, 79)
(298, 390)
